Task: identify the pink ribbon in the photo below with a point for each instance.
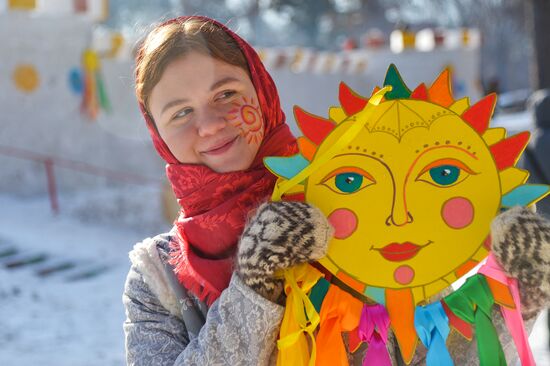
(373, 329)
(512, 317)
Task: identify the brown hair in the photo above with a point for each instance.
(170, 41)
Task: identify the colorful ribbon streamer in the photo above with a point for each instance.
(473, 302)
(94, 96)
(512, 317)
(432, 327)
(300, 317)
(373, 329)
(340, 313)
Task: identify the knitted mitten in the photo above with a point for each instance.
(279, 236)
(521, 245)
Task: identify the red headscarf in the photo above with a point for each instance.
(215, 206)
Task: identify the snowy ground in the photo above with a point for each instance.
(53, 321)
(50, 321)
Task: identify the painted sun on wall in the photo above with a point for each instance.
(410, 180)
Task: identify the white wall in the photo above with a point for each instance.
(48, 120)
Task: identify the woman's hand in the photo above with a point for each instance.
(279, 236)
(521, 245)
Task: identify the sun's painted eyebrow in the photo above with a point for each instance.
(223, 81)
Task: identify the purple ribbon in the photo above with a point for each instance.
(373, 329)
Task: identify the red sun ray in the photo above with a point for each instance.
(440, 91)
(479, 114)
(420, 93)
(458, 324)
(507, 152)
(315, 128)
(350, 100)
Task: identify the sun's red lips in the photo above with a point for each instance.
(396, 252)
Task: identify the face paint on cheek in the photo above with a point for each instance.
(458, 212)
(344, 222)
(247, 117)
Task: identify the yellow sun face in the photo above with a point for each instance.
(410, 185)
(411, 207)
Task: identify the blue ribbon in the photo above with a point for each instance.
(432, 327)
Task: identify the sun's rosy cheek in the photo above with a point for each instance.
(458, 212)
(344, 222)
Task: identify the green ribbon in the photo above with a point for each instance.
(473, 302)
(102, 93)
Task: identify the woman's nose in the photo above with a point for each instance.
(210, 123)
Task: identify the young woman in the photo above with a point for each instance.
(205, 293)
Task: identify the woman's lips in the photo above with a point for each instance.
(221, 147)
(396, 252)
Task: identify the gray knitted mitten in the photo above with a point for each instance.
(279, 236)
(521, 245)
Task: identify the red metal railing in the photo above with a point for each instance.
(50, 162)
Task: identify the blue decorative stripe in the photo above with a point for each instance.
(286, 167)
(378, 294)
(525, 195)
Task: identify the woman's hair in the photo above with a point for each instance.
(172, 40)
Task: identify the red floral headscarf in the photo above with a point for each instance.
(215, 206)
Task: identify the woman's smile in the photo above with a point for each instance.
(221, 147)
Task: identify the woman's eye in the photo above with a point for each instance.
(443, 175)
(182, 113)
(226, 94)
(347, 182)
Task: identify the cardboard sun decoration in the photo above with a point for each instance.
(411, 181)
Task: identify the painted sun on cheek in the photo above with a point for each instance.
(247, 117)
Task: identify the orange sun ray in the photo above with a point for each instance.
(307, 148)
(400, 306)
(440, 92)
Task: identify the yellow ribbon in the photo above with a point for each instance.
(348, 136)
(300, 317)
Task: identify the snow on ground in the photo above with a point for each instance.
(54, 322)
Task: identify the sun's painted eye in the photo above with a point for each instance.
(445, 173)
(348, 180)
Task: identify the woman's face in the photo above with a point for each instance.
(207, 112)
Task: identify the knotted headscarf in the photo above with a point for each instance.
(215, 206)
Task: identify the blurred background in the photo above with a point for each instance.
(80, 182)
